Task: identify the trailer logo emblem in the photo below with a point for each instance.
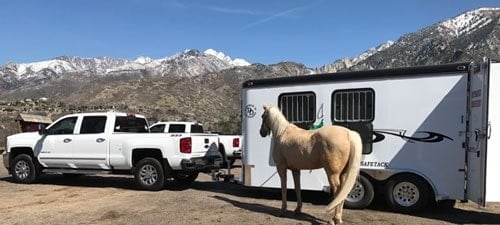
(250, 111)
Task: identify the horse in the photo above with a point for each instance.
(334, 148)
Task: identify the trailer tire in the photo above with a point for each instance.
(149, 174)
(407, 193)
(24, 170)
(361, 194)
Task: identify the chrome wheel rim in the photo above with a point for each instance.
(148, 174)
(357, 192)
(406, 194)
(22, 169)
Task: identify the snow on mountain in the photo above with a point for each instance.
(222, 56)
(187, 63)
(372, 51)
(466, 22)
(143, 60)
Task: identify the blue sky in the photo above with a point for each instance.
(313, 32)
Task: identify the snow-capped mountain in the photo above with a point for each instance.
(466, 22)
(187, 63)
(469, 36)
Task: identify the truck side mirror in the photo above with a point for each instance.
(42, 130)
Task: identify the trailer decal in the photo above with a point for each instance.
(250, 111)
(374, 164)
(431, 137)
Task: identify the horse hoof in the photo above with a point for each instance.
(335, 222)
(298, 211)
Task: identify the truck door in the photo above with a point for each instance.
(91, 144)
(477, 136)
(55, 148)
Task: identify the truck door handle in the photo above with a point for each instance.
(67, 140)
(99, 140)
(477, 133)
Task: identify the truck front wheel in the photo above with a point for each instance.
(149, 174)
(23, 169)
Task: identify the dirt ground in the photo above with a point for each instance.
(116, 200)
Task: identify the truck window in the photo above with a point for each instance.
(298, 108)
(177, 128)
(65, 126)
(196, 128)
(131, 124)
(157, 128)
(93, 124)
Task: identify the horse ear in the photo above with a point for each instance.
(266, 106)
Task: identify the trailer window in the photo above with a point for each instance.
(353, 105)
(298, 108)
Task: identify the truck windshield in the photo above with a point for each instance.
(131, 124)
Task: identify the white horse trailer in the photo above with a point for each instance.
(429, 133)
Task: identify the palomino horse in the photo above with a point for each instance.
(334, 148)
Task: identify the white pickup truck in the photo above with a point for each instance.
(111, 143)
(229, 145)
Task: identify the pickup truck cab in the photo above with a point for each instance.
(110, 142)
(229, 145)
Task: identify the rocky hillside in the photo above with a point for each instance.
(205, 86)
(469, 36)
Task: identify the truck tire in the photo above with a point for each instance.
(361, 194)
(185, 178)
(24, 170)
(407, 193)
(149, 174)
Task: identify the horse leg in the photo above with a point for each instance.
(334, 180)
(296, 180)
(340, 207)
(282, 175)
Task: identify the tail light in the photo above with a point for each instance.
(236, 143)
(185, 145)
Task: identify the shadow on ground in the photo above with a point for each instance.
(259, 208)
(441, 213)
(451, 215)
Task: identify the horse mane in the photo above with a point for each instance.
(277, 121)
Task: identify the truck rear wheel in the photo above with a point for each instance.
(23, 169)
(149, 174)
(407, 193)
(361, 194)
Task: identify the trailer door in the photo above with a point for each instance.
(477, 136)
(492, 165)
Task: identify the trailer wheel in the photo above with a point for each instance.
(149, 174)
(407, 193)
(361, 194)
(24, 170)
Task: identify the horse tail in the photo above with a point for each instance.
(352, 170)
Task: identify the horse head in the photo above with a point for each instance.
(264, 127)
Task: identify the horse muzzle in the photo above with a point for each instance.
(263, 133)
